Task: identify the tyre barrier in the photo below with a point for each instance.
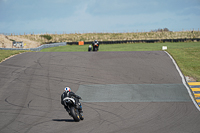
(138, 41)
(38, 48)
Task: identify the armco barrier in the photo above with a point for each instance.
(38, 48)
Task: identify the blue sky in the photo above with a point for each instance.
(70, 16)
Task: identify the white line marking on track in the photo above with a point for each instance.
(184, 82)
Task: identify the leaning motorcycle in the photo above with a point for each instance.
(72, 109)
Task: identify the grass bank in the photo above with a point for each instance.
(87, 37)
(187, 55)
(7, 53)
(188, 59)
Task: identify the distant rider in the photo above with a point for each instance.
(68, 93)
(95, 45)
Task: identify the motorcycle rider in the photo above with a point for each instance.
(68, 93)
(89, 48)
(95, 44)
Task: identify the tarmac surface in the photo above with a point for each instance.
(121, 92)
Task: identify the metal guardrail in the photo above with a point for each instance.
(38, 48)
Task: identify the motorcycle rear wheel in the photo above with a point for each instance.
(75, 114)
(81, 116)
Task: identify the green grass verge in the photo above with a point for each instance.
(188, 59)
(7, 53)
(123, 47)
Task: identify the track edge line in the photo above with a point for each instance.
(184, 81)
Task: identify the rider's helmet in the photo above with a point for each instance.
(67, 89)
(95, 41)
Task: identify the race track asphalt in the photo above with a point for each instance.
(122, 92)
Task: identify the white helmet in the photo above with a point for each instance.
(67, 89)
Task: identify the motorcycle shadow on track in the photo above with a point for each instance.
(63, 120)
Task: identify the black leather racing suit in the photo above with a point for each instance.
(70, 95)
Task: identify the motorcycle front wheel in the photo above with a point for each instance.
(75, 114)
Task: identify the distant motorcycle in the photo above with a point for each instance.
(95, 47)
(73, 110)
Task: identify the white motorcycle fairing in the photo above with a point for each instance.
(67, 99)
